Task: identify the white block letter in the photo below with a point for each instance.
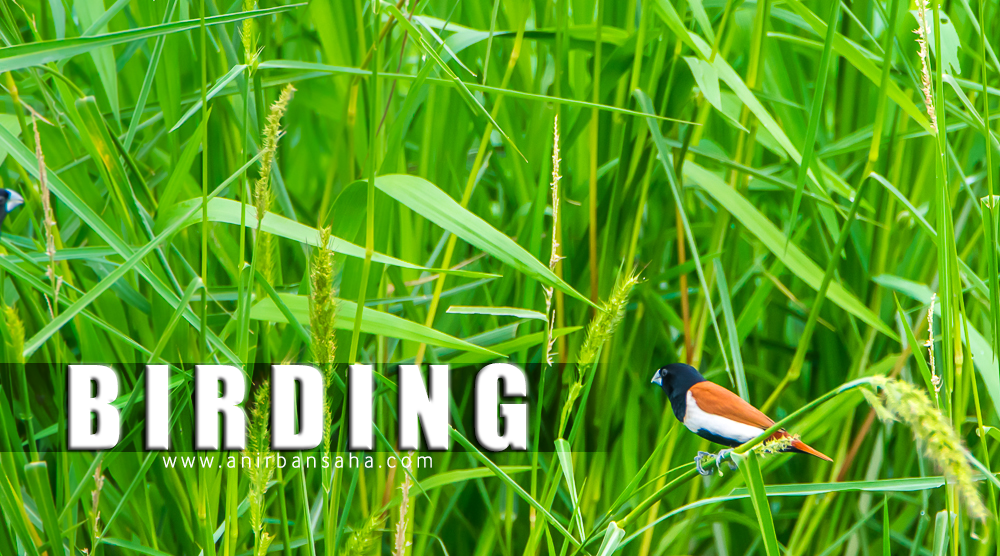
(284, 380)
(361, 384)
(82, 405)
(208, 405)
(415, 407)
(157, 407)
(515, 415)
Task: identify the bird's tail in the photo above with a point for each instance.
(800, 446)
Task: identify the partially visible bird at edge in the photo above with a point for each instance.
(9, 200)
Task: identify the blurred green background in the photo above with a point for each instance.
(796, 184)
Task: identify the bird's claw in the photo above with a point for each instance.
(717, 458)
(722, 455)
(697, 463)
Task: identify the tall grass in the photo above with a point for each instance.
(807, 191)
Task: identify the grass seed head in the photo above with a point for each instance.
(554, 256)
(364, 539)
(404, 508)
(265, 543)
(775, 445)
(603, 325)
(48, 215)
(258, 449)
(95, 502)
(263, 196)
(322, 302)
(265, 264)
(908, 404)
(250, 52)
(923, 33)
(322, 312)
(15, 334)
(935, 378)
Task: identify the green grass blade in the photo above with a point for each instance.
(732, 334)
(942, 526)
(513, 485)
(772, 238)
(314, 67)
(815, 112)
(862, 60)
(93, 293)
(509, 348)
(805, 338)
(228, 211)
(372, 322)
(750, 467)
(565, 454)
(990, 243)
(219, 85)
(39, 53)
(38, 484)
(907, 484)
(195, 285)
(462, 87)
(181, 170)
(675, 188)
(81, 209)
(911, 339)
(147, 81)
(290, 317)
(133, 546)
(613, 536)
(496, 311)
(886, 526)
(424, 198)
(91, 14)
(102, 150)
(138, 479)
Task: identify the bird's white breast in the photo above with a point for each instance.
(696, 419)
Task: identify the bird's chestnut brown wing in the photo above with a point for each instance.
(717, 400)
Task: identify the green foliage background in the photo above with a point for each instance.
(772, 168)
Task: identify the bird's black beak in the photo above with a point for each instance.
(13, 200)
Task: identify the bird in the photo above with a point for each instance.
(716, 414)
(9, 200)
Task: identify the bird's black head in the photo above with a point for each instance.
(675, 379)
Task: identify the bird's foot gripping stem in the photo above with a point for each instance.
(722, 455)
(717, 459)
(697, 463)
